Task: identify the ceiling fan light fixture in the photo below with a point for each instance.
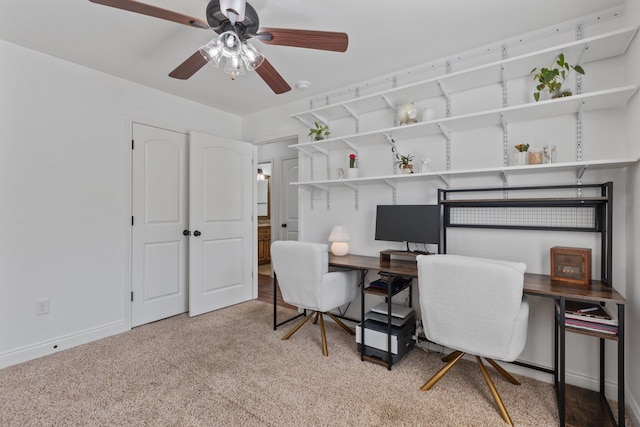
(251, 56)
(212, 51)
(234, 67)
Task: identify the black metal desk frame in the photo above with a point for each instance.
(603, 224)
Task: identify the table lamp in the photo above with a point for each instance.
(339, 237)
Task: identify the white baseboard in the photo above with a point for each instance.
(45, 348)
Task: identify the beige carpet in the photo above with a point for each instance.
(229, 368)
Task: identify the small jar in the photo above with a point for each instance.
(535, 157)
(549, 154)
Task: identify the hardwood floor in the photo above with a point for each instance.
(265, 291)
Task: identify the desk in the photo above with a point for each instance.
(535, 285)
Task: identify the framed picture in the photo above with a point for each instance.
(571, 265)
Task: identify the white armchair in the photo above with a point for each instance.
(476, 306)
(301, 269)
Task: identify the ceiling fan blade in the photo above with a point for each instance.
(156, 12)
(323, 40)
(272, 78)
(189, 67)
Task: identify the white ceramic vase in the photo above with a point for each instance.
(353, 173)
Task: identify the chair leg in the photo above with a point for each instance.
(339, 322)
(504, 373)
(450, 356)
(494, 393)
(434, 379)
(298, 326)
(325, 351)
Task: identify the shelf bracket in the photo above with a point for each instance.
(504, 176)
(393, 190)
(581, 172)
(388, 102)
(320, 118)
(445, 92)
(444, 179)
(355, 116)
(356, 195)
(305, 152)
(350, 111)
(351, 145)
(322, 150)
(304, 122)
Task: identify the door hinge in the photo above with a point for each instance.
(132, 144)
(131, 296)
(132, 220)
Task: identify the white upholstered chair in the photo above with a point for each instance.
(476, 306)
(301, 269)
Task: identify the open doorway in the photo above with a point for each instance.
(277, 205)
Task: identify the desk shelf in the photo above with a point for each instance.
(599, 291)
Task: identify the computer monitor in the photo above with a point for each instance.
(408, 223)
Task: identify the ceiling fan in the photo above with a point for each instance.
(236, 21)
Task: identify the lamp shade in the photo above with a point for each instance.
(339, 233)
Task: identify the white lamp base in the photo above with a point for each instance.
(339, 248)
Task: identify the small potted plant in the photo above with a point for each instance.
(553, 78)
(403, 162)
(352, 172)
(319, 132)
(521, 154)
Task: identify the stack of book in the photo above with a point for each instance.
(589, 316)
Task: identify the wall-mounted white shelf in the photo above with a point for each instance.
(502, 172)
(590, 49)
(609, 98)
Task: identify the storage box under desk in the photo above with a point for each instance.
(375, 337)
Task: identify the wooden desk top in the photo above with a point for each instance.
(361, 262)
(534, 284)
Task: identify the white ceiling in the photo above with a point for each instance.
(384, 36)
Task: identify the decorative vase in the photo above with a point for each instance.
(407, 169)
(407, 114)
(520, 158)
(353, 173)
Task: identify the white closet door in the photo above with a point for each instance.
(221, 183)
(159, 249)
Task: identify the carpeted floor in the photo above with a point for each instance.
(229, 368)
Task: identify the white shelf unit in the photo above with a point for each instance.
(594, 48)
(602, 46)
(502, 172)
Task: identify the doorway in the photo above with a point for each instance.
(282, 161)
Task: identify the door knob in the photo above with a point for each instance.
(186, 233)
(283, 225)
(196, 233)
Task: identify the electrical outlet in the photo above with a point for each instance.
(42, 306)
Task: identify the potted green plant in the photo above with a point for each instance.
(553, 78)
(403, 162)
(319, 132)
(521, 154)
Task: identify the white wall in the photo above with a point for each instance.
(604, 136)
(632, 226)
(64, 155)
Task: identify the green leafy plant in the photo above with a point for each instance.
(553, 78)
(522, 147)
(320, 131)
(400, 159)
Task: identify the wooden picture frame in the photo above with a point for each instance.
(571, 265)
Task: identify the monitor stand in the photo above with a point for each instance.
(385, 256)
